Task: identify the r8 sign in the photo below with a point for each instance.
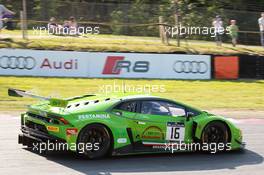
(115, 64)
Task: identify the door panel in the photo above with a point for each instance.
(155, 123)
(155, 128)
(165, 122)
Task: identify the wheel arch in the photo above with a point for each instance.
(104, 125)
(199, 132)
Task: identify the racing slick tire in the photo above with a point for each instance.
(214, 134)
(94, 141)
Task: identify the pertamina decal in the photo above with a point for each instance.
(91, 116)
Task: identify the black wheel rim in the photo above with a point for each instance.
(95, 135)
(214, 134)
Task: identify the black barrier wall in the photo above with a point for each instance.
(251, 66)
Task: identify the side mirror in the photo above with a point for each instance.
(189, 115)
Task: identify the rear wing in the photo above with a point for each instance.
(53, 101)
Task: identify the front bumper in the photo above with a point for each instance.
(242, 144)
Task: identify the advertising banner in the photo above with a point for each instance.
(21, 62)
(160, 66)
(42, 63)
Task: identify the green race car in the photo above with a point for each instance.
(123, 124)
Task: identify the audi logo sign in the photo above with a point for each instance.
(17, 62)
(195, 67)
(20, 62)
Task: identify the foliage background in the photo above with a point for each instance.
(129, 12)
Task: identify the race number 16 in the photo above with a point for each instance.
(175, 132)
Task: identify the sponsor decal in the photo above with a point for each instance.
(67, 65)
(53, 128)
(92, 116)
(195, 67)
(17, 62)
(153, 132)
(121, 140)
(71, 131)
(115, 64)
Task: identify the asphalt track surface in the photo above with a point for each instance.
(14, 159)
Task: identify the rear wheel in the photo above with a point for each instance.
(216, 136)
(94, 141)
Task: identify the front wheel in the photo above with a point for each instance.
(216, 136)
(94, 141)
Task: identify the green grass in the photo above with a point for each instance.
(202, 94)
(118, 43)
